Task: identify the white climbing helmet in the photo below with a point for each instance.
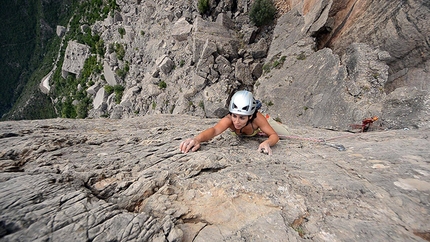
(243, 103)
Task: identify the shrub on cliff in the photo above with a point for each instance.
(262, 12)
(203, 6)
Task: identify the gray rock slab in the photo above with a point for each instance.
(126, 180)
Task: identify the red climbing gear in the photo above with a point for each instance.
(365, 125)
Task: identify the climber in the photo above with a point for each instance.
(366, 123)
(243, 119)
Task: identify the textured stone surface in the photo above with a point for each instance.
(381, 46)
(325, 89)
(74, 57)
(126, 180)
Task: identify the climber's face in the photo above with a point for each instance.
(239, 121)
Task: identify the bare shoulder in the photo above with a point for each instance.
(263, 124)
(260, 119)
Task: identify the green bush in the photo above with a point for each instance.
(123, 72)
(181, 63)
(83, 107)
(109, 89)
(121, 32)
(203, 6)
(68, 110)
(262, 12)
(162, 85)
(202, 105)
(120, 51)
(267, 67)
(119, 90)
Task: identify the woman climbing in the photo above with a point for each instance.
(243, 119)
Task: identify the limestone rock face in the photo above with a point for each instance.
(334, 63)
(397, 27)
(126, 180)
(322, 63)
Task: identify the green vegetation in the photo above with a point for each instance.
(267, 67)
(121, 31)
(93, 41)
(26, 55)
(108, 89)
(300, 231)
(30, 51)
(120, 51)
(73, 89)
(301, 56)
(262, 12)
(117, 89)
(123, 72)
(162, 85)
(202, 105)
(203, 6)
(279, 63)
(268, 103)
(68, 88)
(275, 64)
(181, 63)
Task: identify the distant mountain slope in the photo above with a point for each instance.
(17, 45)
(26, 31)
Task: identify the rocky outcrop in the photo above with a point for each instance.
(399, 28)
(320, 64)
(126, 180)
(311, 84)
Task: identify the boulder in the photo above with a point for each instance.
(74, 58)
(109, 74)
(181, 29)
(100, 98)
(164, 64)
(214, 100)
(92, 90)
(243, 73)
(61, 30)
